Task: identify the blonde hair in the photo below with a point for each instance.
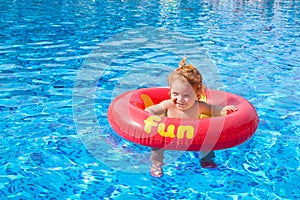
(190, 74)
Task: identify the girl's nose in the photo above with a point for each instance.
(179, 98)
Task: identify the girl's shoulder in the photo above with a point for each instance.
(166, 104)
(201, 103)
(203, 106)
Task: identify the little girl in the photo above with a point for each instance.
(186, 89)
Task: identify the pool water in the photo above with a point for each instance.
(63, 62)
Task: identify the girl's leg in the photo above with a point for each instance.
(207, 155)
(157, 158)
(206, 160)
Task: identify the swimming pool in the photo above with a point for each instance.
(62, 62)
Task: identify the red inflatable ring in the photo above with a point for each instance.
(127, 117)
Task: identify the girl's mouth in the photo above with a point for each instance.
(174, 101)
(177, 104)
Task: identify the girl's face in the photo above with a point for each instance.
(182, 95)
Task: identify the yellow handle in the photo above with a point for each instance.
(147, 100)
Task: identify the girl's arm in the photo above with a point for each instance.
(159, 109)
(228, 109)
(216, 110)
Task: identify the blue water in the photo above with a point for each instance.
(62, 63)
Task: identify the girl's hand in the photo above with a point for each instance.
(228, 109)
